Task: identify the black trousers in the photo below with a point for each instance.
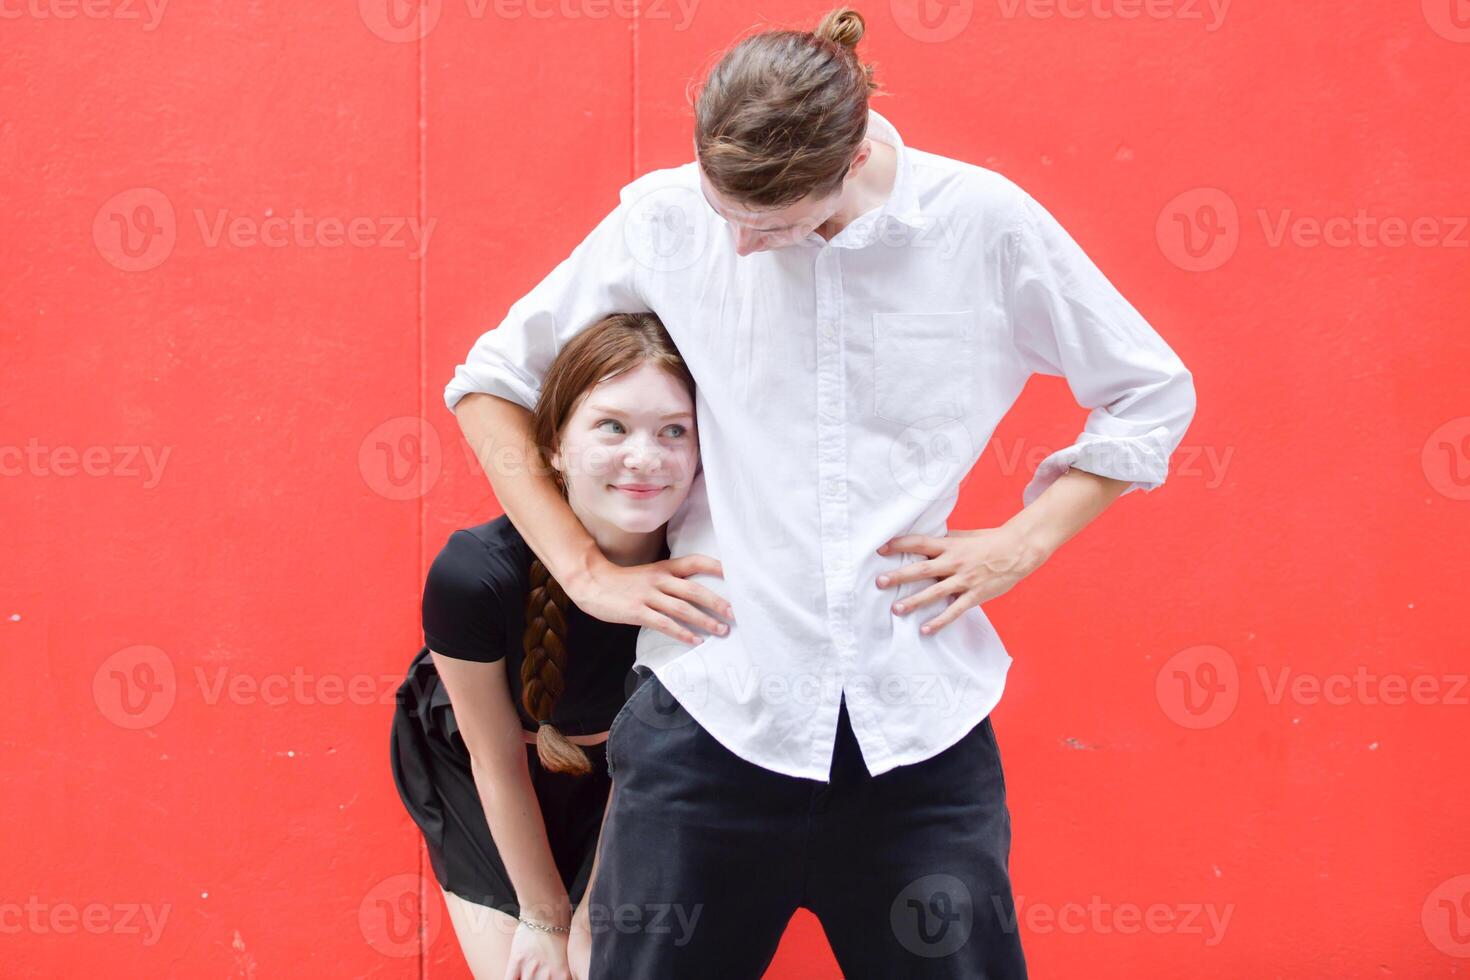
(704, 857)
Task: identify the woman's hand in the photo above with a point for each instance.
(972, 566)
(653, 595)
(537, 955)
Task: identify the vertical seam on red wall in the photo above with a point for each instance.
(633, 93)
(420, 172)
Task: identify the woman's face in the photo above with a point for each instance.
(629, 450)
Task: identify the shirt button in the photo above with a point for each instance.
(827, 332)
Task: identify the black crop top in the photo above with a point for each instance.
(474, 608)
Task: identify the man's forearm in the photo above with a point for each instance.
(500, 433)
(1072, 501)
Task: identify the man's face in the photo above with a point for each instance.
(756, 231)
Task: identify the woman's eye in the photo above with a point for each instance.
(610, 422)
(676, 430)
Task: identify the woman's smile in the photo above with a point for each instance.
(638, 491)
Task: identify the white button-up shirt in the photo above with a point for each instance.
(845, 388)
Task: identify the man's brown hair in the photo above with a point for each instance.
(783, 112)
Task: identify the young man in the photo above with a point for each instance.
(858, 316)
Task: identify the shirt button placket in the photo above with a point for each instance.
(832, 450)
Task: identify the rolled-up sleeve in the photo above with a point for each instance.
(1068, 320)
(597, 279)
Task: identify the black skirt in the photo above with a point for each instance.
(431, 768)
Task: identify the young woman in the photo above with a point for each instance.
(499, 739)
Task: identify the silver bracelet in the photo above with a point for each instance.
(541, 926)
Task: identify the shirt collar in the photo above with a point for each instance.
(903, 202)
(902, 205)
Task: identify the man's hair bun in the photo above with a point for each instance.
(843, 25)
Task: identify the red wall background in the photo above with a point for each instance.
(1235, 732)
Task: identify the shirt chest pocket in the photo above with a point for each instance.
(922, 365)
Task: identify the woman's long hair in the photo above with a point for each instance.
(783, 113)
(617, 343)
